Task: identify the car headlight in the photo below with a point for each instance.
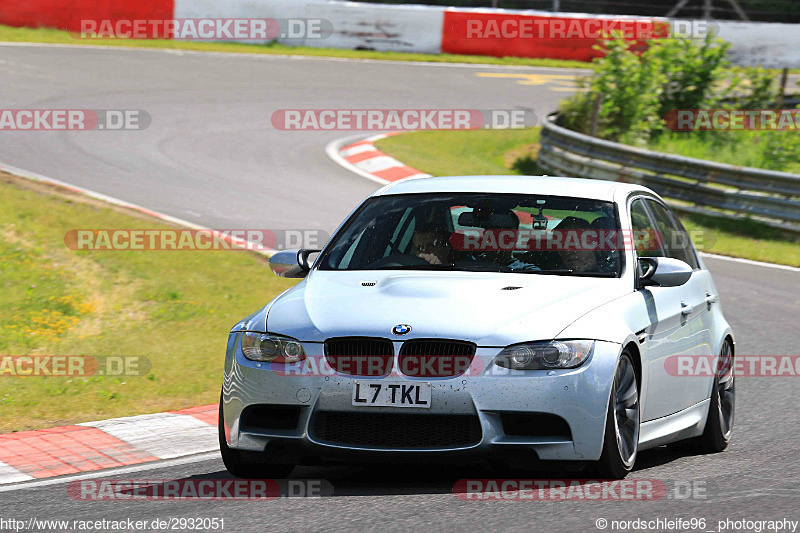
(545, 355)
(271, 348)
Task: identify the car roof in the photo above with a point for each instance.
(544, 185)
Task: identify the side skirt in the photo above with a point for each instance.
(682, 425)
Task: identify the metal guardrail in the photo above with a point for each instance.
(712, 188)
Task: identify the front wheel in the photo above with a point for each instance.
(248, 465)
(621, 441)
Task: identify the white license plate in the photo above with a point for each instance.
(392, 394)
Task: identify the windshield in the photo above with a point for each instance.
(479, 232)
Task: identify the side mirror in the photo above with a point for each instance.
(291, 263)
(663, 272)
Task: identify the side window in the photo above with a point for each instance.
(675, 243)
(686, 242)
(644, 234)
(348, 256)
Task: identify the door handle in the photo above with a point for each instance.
(711, 298)
(685, 309)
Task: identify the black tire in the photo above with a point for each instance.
(248, 465)
(611, 464)
(719, 423)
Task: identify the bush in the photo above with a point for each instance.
(781, 150)
(631, 87)
(690, 72)
(638, 89)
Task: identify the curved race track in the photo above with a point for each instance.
(211, 157)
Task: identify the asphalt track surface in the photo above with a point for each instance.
(212, 157)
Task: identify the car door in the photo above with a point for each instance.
(677, 325)
(697, 388)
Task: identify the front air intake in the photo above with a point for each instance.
(397, 431)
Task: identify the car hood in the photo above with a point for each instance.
(489, 309)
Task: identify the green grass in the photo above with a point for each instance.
(173, 307)
(742, 238)
(45, 35)
(453, 153)
(741, 148)
(442, 153)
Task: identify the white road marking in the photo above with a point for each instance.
(9, 474)
(33, 176)
(360, 149)
(378, 163)
(332, 150)
(750, 262)
(162, 435)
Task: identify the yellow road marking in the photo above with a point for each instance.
(564, 80)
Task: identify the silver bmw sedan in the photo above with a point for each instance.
(537, 319)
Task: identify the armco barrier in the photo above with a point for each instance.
(707, 186)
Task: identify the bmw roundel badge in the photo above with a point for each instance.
(401, 329)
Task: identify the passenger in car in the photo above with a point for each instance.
(573, 257)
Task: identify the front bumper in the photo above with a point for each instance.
(579, 396)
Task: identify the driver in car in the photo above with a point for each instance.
(431, 243)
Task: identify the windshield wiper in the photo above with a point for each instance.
(484, 268)
(450, 267)
(415, 267)
(567, 271)
(498, 268)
